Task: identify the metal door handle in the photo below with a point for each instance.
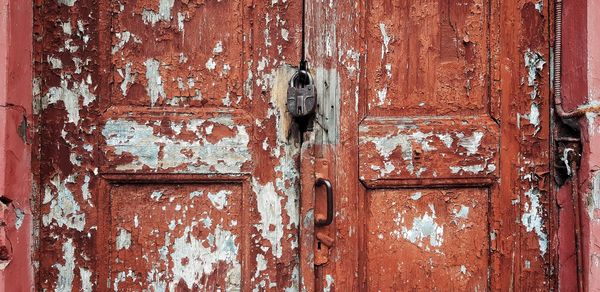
(319, 220)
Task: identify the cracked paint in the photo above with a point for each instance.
(532, 218)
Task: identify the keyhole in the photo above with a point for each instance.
(318, 245)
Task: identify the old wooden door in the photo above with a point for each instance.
(434, 130)
(164, 157)
(167, 161)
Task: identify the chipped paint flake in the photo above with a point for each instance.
(66, 271)
(193, 259)
(471, 143)
(67, 2)
(269, 208)
(155, 87)
(422, 227)
(64, 209)
(86, 279)
(69, 96)
(164, 12)
(123, 240)
(534, 62)
(386, 40)
(219, 199)
(532, 218)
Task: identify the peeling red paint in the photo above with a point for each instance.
(165, 145)
(449, 98)
(185, 99)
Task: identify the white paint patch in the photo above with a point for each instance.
(210, 64)
(382, 95)
(593, 199)
(474, 169)
(446, 139)
(285, 34)
(269, 208)
(218, 48)
(388, 167)
(422, 227)
(64, 209)
(55, 63)
(534, 62)
(471, 143)
(329, 281)
(180, 23)
(386, 40)
(86, 279)
(463, 212)
(388, 144)
(155, 87)
(196, 194)
(164, 12)
(195, 259)
(539, 6)
(19, 218)
(69, 97)
(123, 38)
(261, 265)
(128, 78)
(123, 240)
(219, 199)
(416, 196)
(532, 218)
(156, 195)
(66, 27)
(66, 271)
(67, 2)
(388, 70)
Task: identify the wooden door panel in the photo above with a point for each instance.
(189, 142)
(436, 150)
(178, 236)
(428, 146)
(180, 98)
(452, 97)
(426, 57)
(418, 239)
(195, 65)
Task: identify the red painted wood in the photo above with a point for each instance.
(417, 82)
(581, 86)
(166, 157)
(16, 273)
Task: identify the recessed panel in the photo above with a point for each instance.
(427, 240)
(428, 148)
(175, 237)
(196, 142)
(177, 53)
(426, 57)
